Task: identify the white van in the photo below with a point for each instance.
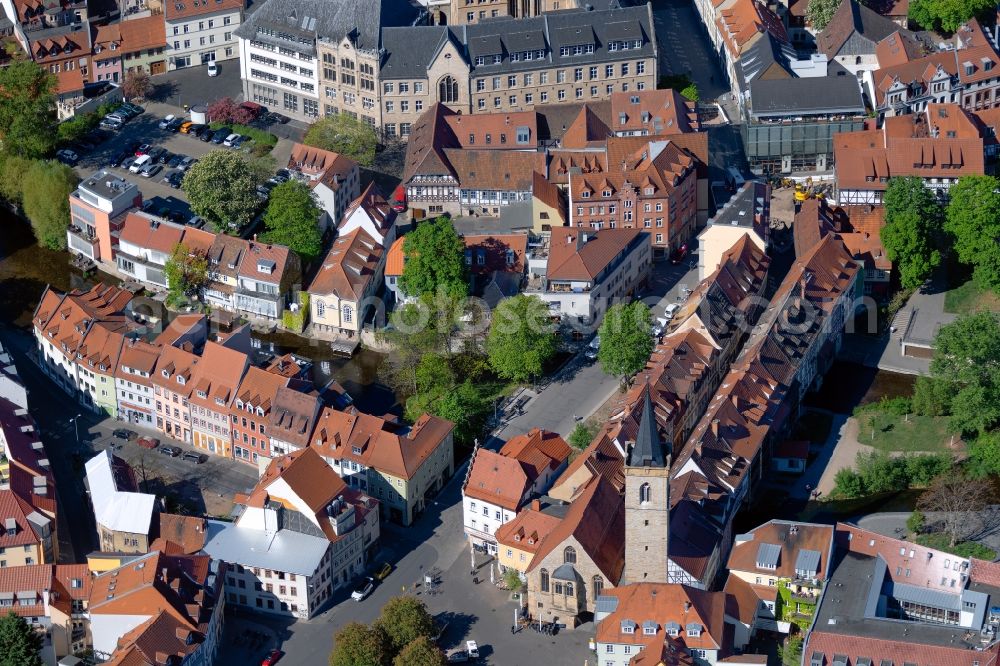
(140, 162)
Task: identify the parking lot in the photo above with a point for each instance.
(145, 129)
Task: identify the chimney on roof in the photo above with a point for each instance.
(687, 606)
(715, 427)
(536, 505)
(163, 573)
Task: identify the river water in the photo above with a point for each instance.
(26, 268)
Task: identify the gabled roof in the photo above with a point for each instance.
(293, 416)
(258, 388)
(349, 267)
(585, 131)
(180, 10)
(117, 505)
(854, 30)
(659, 112)
(321, 166)
(148, 32)
(790, 539)
(373, 204)
(150, 232)
(576, 254)
(698, 616)
(218, 376)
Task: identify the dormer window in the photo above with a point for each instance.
(517, 537)
(180, 379)
(165, 373)
(201, 394)
(220, 401)
(266, 266)
(694, 630)
(356, 450)
(585, 194)
(239, 404)
(628, 627)
(606, 193)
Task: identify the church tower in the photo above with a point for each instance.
(647, 503)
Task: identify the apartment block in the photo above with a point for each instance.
(97, 210)
(201, 31)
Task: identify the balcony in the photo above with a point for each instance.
(81, 241)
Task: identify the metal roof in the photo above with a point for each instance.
(768, 555)
(606, 604)
(118, 511)
(807, 561)
(284, 550)
(926, 597)
(565, 572)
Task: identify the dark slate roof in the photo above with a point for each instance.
(798, 97)
(5, 22)
(762, 54)
(853, 30)
(331, 19)
(409, 51)
(648, 449)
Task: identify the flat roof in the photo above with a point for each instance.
(804, 96)
(847, 596)
(284, 550)
(105, 184)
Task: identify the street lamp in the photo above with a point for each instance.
(76, 428)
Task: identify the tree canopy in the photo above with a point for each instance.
(956, 500)
(20, 644)
(582, 436)
(948, 15)
(626, 339)
(912, 231)
(26, 103)
(292, 219)
(521, 338)
(137, 84)
(967, 357)
(226, 110)
(973, 220)
(421, 652)
(435, 260)
(221, 188)
(186, 272)
(344, 135)
(357, 644)
(405, 619)
(45, 195)
(820, 12)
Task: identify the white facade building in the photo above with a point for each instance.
(280, 71)
(201, 31)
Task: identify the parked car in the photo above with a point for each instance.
(383, 571)
(207, 134)
(213, 69)
(659, 326)
(196, 222)
(166, 121)
(197, 129)
(670, 311)
(119, 118)
(228, 141)
(472, 648)
(185, 127)
(148, 442)
(143, 149)
(363, 588)
(150, 170)
(593, 348)
(172, 451)
(175, 124)
(679, 254)
(175, 160)
(67, 156)
(111, 124)
(282, 175)
(399, 199)
(272, 657)
(277, 118)
(139, 163)
(220, 135)
(240, 140)
(194, 456)
(187, 163)
(264, 190)
(124, 433)
(158, 154)
(133, 108)
(175, 179)
(128, 162)
(119, 158)
(458, 657)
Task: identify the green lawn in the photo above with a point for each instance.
(894, 434)
(969, 297)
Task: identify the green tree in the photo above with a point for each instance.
(513, 580)
(820, 12)
(791, 651)
(12, 171)
(20, 645)
(915, 523)
(292, 219)
(880, 473)
(911, 235)
(966, 356)
(26, 103)
(45, 195)
(690, 93)
(984, 455)
(405, 619)
(186, 273)
(932, 397)
(435, 260)
(344, 135)
(465, 406)
(421, 652)
(582, 436)
(221, 188)
(76, 127)
(626, 339)
(359, 645)
(521, 338)
(948, 15)
(847, 483)
(973, 220)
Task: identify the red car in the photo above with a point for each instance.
(679, 254)
(399, 199)
(272, 658)
(143, 150)
(148, 442)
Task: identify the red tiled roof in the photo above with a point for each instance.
(349, 266)
(573, 258)
(179, 10)
(151, 233)
(663, 603)
(791, 538)
(148, 32)
(493, 249)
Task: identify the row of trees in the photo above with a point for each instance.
(403, 635)
(919, 230)
(940, 15)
